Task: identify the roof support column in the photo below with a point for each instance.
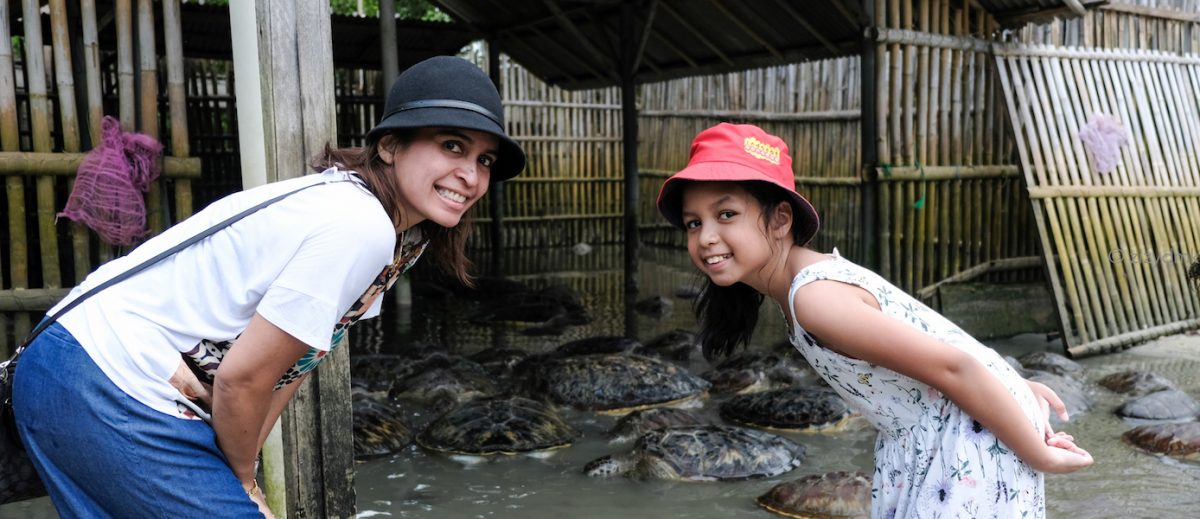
(869, 136)
(496, 191)
(629, 132)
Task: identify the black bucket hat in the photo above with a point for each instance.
(451, 92)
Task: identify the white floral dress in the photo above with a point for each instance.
(932, 460)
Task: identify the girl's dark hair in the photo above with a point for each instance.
(729, 314)
(446, 245)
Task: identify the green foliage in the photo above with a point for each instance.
(405, 9)
(18, 45)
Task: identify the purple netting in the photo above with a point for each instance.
(107, 196)
(1103, 137)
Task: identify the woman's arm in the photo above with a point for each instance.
(242, 391)
(848, 320)
(279, 400)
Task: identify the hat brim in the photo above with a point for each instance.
(670, 197)
(509, 164)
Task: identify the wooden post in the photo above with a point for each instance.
(176, 99)
(869, 132)
(629, 133)
(496, 192)
(284, 63)
(387, 43)
(148, 112)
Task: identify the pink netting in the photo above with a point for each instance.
(107, 196)
(1103, 137)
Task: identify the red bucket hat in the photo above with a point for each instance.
(733, 152)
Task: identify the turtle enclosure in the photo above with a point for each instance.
(908, 142)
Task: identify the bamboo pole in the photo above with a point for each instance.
(39, 119)
(18, 263)
(176, 98)
(156, 219)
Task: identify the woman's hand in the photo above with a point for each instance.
(260, 499)
(191, 386)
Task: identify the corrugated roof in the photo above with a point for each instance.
(575, 43)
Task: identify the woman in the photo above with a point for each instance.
(104, 404)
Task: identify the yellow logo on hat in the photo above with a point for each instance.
(761, 150)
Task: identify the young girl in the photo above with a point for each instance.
(960, 433)
(255, 306)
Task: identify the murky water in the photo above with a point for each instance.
(413, 483)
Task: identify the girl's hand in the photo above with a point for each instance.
(1048, 399)
(1062, 456)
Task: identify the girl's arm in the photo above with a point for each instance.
(242, 391)
(847, 319)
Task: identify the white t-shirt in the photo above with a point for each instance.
(300, 263)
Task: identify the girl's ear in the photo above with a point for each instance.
(781, 220)
(387, 149)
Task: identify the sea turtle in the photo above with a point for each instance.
(677, 344)
(833, 495)
(1072, 392)
(378, 427)
(702, 453)
(1136, 383)
(637, 423)
(1168, 404)
(499, 361)
(445, 381)
(655, 306)
(797, 409)
(599, 344)
(613, 384)
(1052, 363)
(1179, 440)
(498, 426)
(750, 371)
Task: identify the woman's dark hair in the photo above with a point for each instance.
(729, 314)
(446, 245)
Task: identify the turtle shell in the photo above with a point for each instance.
(513, 425)
(1136, 382)
(637, 423)
(1051, 363)
(614, 384)
(796, 408)
(821, 496)
(1181, 440)
(379, 429)
(716, 452)
(1169, 404)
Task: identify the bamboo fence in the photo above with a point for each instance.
(44, 134)
(1117, 244)
(948, 191)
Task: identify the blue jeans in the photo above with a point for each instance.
(102, 453)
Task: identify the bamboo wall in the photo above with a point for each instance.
(1166, 25)
(47, 123)
(1117, 243)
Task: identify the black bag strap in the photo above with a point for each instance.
(157, 258)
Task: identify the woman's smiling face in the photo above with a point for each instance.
(726, 237)
(441, 173)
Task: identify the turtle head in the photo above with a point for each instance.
(605, 467)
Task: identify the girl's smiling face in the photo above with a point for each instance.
(726, 235)
(441, 173)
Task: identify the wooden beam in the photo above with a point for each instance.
(746, 29)
(800, 20)
(570, 27)
(834, 115)
(646, 29)
(31, 299)
(700, 36)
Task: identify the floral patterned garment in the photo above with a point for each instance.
(208, 354)
(932, 460)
